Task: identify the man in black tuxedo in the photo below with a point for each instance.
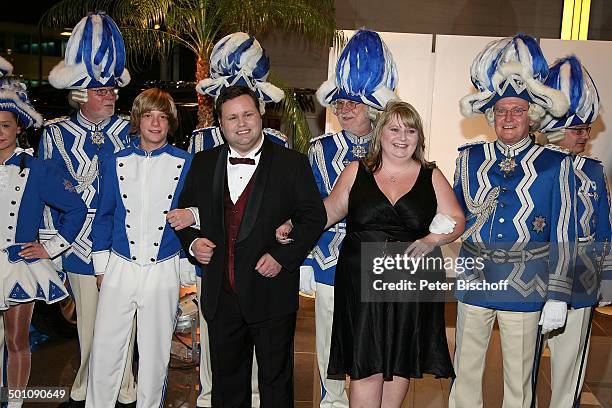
(244, 190)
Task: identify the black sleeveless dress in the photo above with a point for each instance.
(404, 339)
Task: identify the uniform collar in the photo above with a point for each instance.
(140, 151)
(515, 149)
(88, 124)
(14, 158)
(358, 139)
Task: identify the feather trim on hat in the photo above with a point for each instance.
(511, 67)
(365, 73)
(574, 81)
(13, 98)
(95, 56)
(239, 59)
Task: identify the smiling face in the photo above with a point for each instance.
(353, 116)
(398, 140)
(576, 138)
(100, 104)
(510, 126)
(240, 122)
(8, 134)
(154, 127)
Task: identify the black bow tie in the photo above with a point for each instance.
(241, 160)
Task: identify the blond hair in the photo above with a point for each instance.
(153, 99)
(410, 118)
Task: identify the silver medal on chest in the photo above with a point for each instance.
(97, 138)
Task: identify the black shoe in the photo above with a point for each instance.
(125, 404)
(72, 404)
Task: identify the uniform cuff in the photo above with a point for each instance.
(55, 245)
(100, 261)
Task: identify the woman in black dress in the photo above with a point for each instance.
(392, 195)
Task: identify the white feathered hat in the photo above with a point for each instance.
(512, 66)
(239, 59)
(13, 97)
(570, 77)
(365, 73)
(95, 56)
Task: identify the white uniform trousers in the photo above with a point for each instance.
(150, 293)
(566, 349)
(85, 296)
(333, 392)
(518, 333)
(205, 397)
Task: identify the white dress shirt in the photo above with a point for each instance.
(239, 175)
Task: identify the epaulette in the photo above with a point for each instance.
(324, 135)
(202, 129)
(275, 133)
(465, 146)
(557, 148)
(124, 117)
(55, 120)
(592, 158)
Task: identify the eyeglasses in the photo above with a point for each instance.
(102, 92)
(581, 131)
(343, 106)
(516, 112)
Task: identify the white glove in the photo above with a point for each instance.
(553, 315)
(307, 280)
(605, 292)
(442, 224)
(187, 274)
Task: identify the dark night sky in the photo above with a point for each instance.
(26, 11)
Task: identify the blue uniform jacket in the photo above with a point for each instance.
(520, 199)
(80, 148)
(26, 185)
(329, 154)
(139, 189)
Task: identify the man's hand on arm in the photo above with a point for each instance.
(180, 218)
(202, 250)
(268, 266)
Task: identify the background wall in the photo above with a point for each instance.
(434, 82)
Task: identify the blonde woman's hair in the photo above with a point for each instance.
(410, 118)
(153, 99)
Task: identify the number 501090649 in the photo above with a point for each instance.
(34, 394)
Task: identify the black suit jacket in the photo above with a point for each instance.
(284, 188)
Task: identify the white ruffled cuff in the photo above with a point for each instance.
(442, 224)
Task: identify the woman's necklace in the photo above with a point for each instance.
(392, 178)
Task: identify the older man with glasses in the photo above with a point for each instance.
(517, 199)
(356, 94)
(80, 145)
(569, 346)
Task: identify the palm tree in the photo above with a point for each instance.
(153, 27)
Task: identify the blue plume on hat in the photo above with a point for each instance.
(570, 77)
(13, 97)
(239, 59)
(95, 56)
(365, 73)
(511, 67)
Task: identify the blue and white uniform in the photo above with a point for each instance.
(28, 184)
(329, 154)
(210, 137)
(139, 254)
(519, 214)
(80, 147)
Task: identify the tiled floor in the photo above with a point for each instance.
(54, 364)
